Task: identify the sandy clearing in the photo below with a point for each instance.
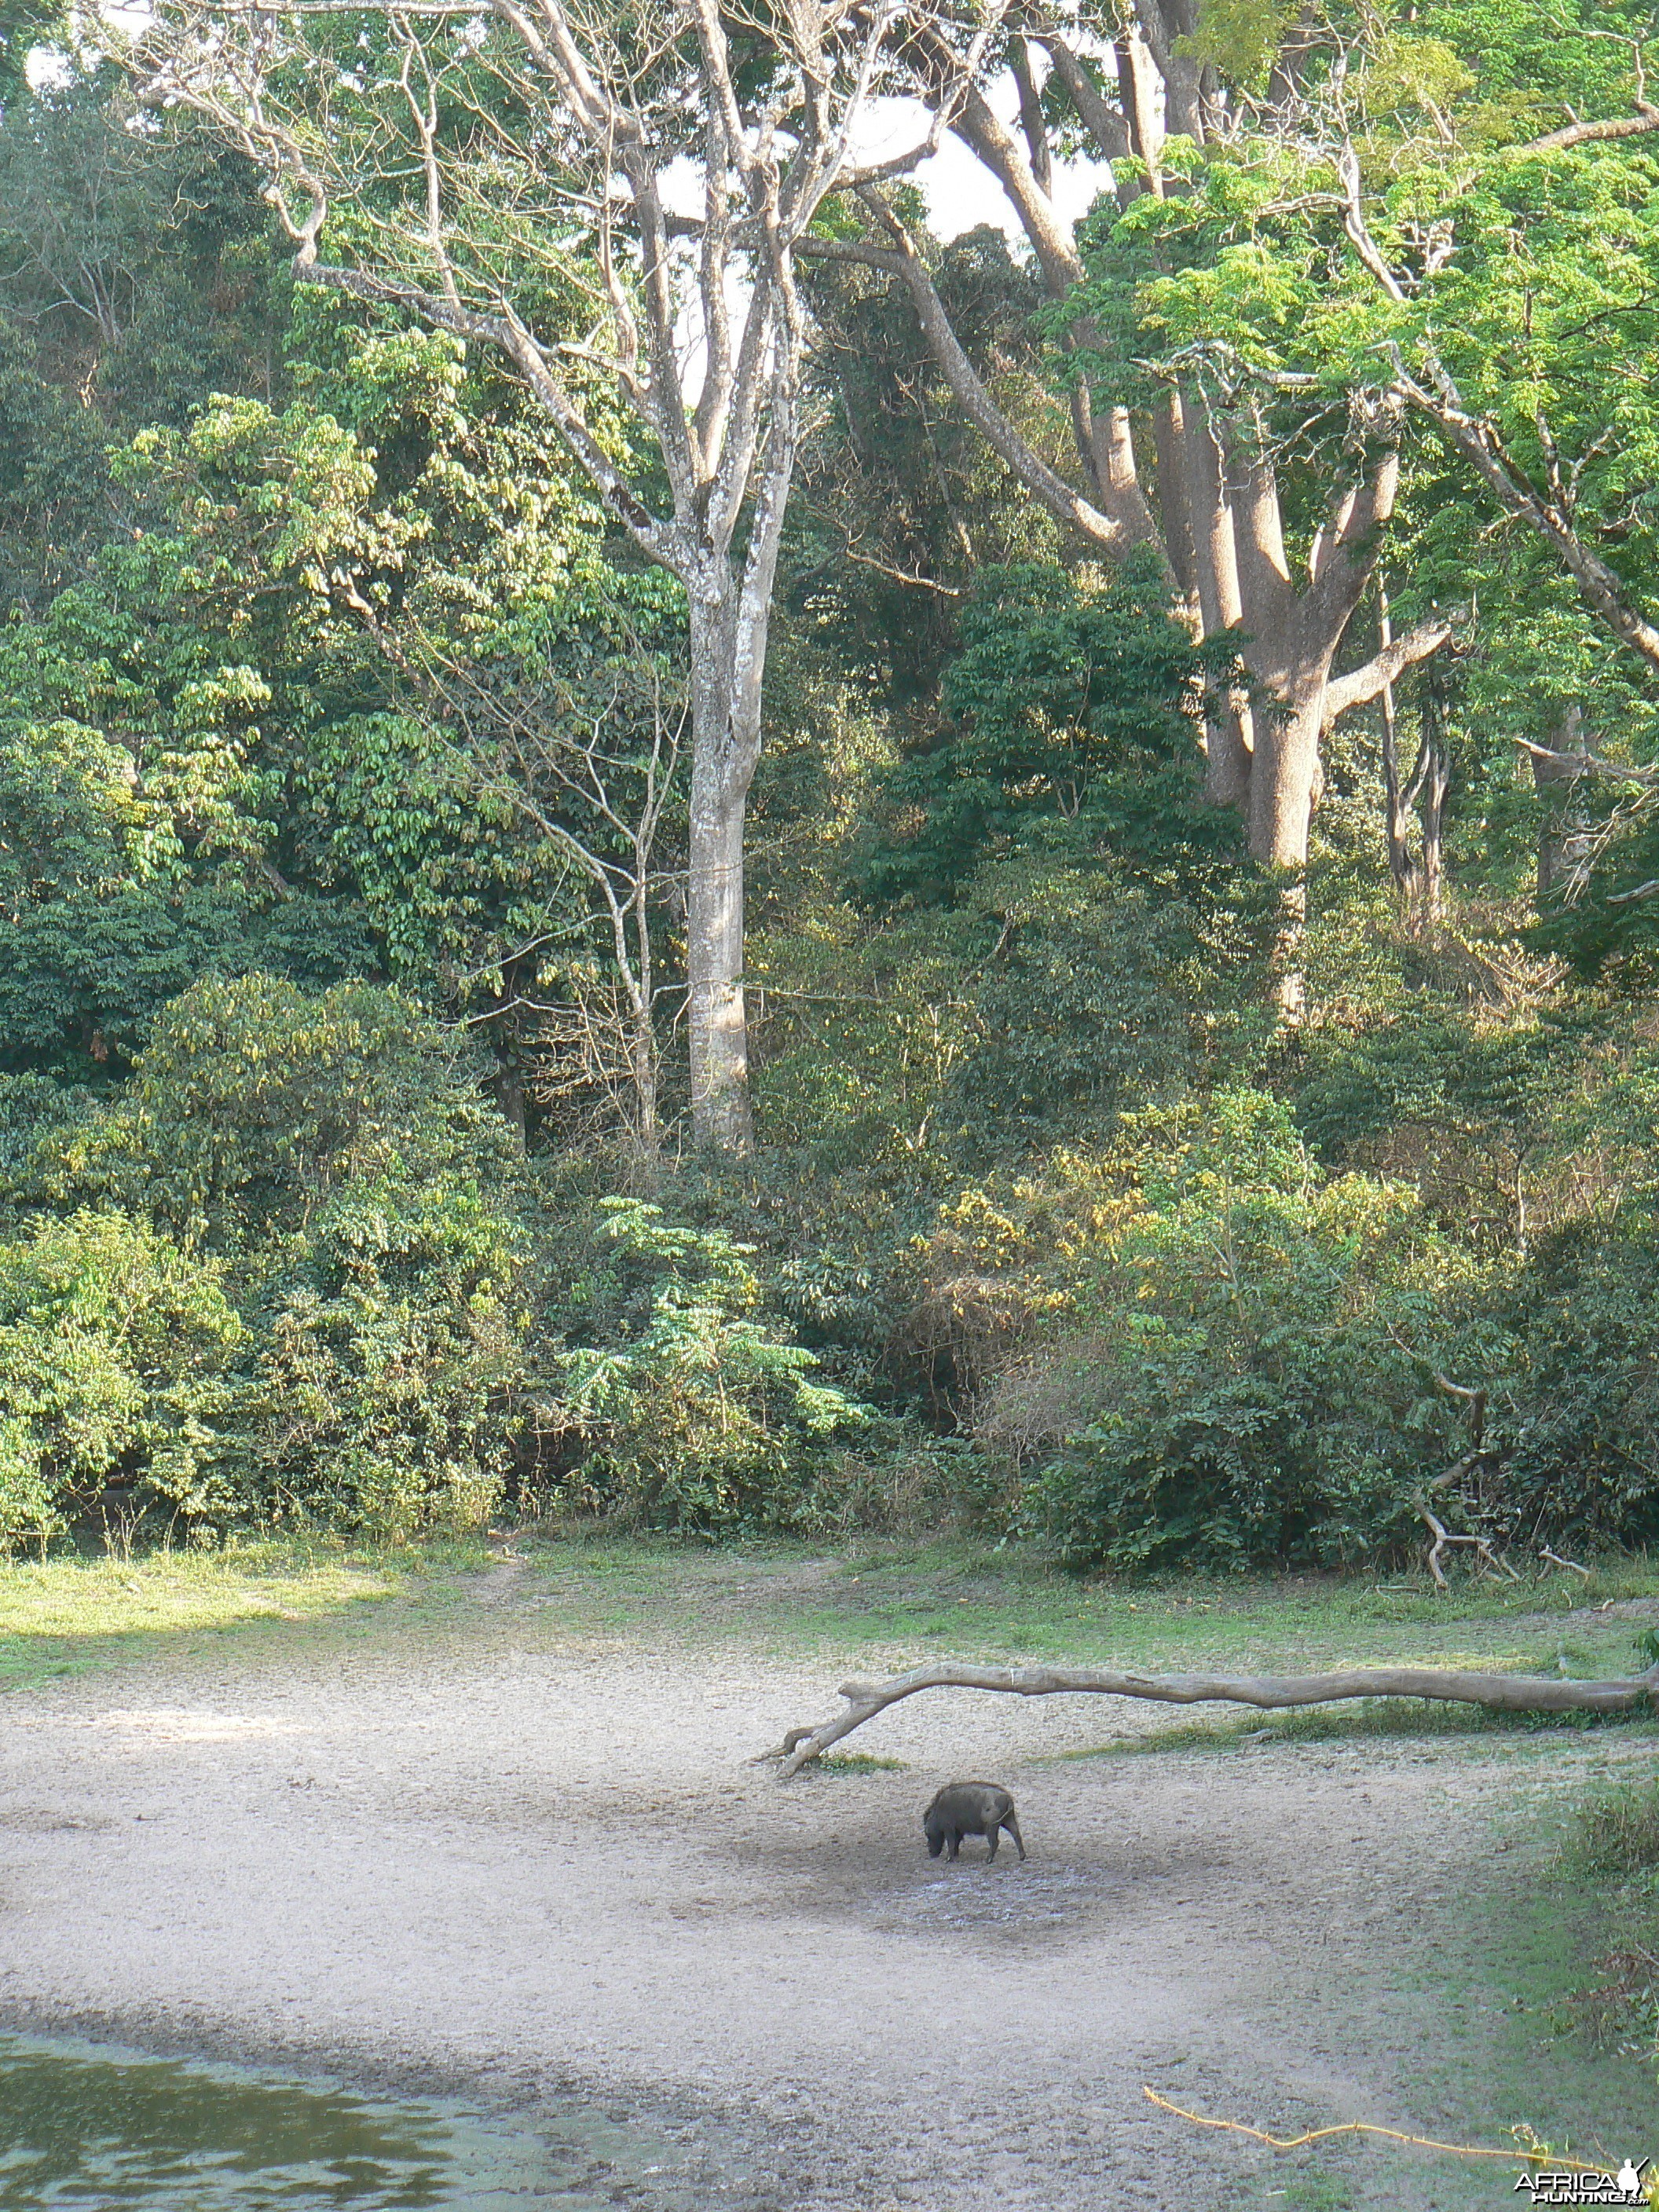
(549, 1870)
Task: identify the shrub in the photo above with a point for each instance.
(35, 1112)
(391, 1350)
(1254, 1384)
(255, 1099)
(1581, 1430)
(1619, 1832)
(682, 1409)
(115, 1357)
(334, 1152)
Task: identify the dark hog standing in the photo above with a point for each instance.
(970, 1808)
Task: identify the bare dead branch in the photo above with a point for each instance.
(1590, 134)
(1556, 1560)
(1436, 396)
(1573, 765)
(1503, 1693)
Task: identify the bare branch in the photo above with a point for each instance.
(1361, 685)
(1591, 134)
(902, 259)
(1503, 1693)
(1572, 765)
(1481, 443)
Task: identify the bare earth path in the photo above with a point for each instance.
(544, 1867)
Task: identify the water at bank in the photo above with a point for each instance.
(95, 2125)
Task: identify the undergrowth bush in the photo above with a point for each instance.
(117, 1355)
(1617, 1831)
(678, 1406)
(1246, 1377)
(1615, 1841)
(256, 1098)
(391, 1350)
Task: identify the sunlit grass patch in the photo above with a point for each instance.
(1360, 1720)
(1611, 1850)
(1617, 1831)
(58, 1615)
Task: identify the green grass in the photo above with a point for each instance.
(891, 1606)
(65, 1615)
(1366, 1719)
(873, 1606)
(1619, 1832)
(1495, 2032)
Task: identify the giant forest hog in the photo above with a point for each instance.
(970, 1808)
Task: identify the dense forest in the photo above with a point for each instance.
(672, 849)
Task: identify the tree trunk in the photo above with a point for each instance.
(721, 1114)
(1564, 832)
(1218, 525)
(1285, 768)
(644, 1042)
(721, 1117)
(1435, 781)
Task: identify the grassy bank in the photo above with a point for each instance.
(878, 1604)
(64, 1616)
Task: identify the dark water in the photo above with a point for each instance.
(92, 2125)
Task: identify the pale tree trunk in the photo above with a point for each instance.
(1433, 782)
(605, 113)
(730, 617)
(1285, 770)
(1420, 873)
(645, 1068)
(1564, 832)
(720, 1113)
(1495, 1693)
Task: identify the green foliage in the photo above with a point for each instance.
(1070, 703)
(338, 1157)
(127, 744)
(1049, 921)
(893, 471)
(141, 273)
(1581, 1435)
(116, 1356)
(1239, 38)
(1473, 1106)
(391, 1350)
(36, 1115)
(1248, 1384)
(688, 1410)
(318, 644)
(256, 1099)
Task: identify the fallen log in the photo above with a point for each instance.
(1503, 1693)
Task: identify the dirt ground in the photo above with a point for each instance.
(542, 1868)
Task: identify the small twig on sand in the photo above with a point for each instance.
(1532, 2153)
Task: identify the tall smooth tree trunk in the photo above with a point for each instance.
(1564, 831)
(721, 1114)
(1284, 773)
(725, 745)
